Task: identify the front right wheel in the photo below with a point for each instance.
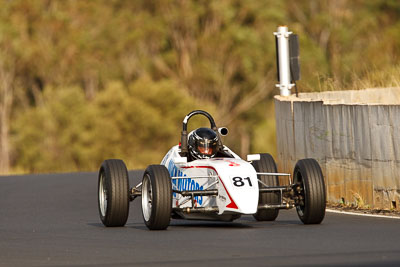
(156, 197)
(309, 188)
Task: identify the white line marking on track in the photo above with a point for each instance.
(362, 214)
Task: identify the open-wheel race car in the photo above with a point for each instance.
(201, 179)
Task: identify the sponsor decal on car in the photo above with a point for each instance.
(231, 163)
(184, 184)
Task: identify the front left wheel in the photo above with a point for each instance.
(113, 193)
(156, 197)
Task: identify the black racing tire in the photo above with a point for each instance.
(267, 164)
(156, 197)
(310, 187)
(113, 193)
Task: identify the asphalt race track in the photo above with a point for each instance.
(52, 220)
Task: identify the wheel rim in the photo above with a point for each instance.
(147, 197)
(102, 195)
(299, 181)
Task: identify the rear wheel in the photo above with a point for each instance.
(310, 190)
(156, 197)
(267, 164)
(113, 193)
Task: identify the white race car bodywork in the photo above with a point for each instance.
(234, 179)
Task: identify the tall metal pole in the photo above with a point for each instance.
(284, 85)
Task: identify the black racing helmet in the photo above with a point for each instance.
(203, 143)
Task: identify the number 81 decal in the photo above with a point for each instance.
(239, 181)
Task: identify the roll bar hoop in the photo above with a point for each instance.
(184, 134)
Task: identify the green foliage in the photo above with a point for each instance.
(113, 79)
(138, 123)
(264, 135)
(53, 136)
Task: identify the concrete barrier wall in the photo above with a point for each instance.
(354, 135)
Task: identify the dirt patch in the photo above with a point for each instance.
(342, 207)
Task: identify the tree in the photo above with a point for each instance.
(116, 63)
(6, 96)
